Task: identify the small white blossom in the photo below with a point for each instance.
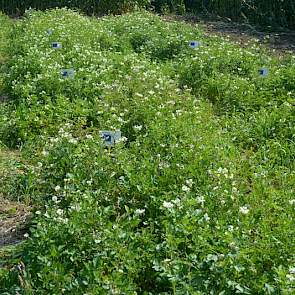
(57, 188)
(230, 228)
(122, 139)
(292, 202)
(89, 136)
(26, 235)
(137, 127)
(44, 153)
(139, 211)
(185, 188)
(54, 199)
(200, 200)
(189, 182)
(76, 207)
(168, 205)
(59, 212)
(73, 141)
(38, 212)
(176, 202)
(244, 210)
(291, 278)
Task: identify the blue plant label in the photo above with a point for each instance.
(263, 72)
(110, 137)
(68, 73)
(56, 45)
(194, 44)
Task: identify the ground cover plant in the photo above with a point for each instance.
(197, 197)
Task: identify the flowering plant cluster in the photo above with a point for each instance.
(197, 196)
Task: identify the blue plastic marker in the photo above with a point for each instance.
(194, 44)
(263, 72)
(56, 45)
(68, 73)
(110, 137)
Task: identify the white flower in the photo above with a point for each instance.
(197, 212)
(57, 188)
(54, 140)
(137, 127)
(38, 212)
(219, 170)
(230, 228)
(54, 199)
(201, 200)
(76, 207)
(168, 205)
(89, 136)
(291, 277)
(185, 188)
(212, 257)
(176, 202)
(234, 190)
(44, 153)
(292, 270)
(122, 139)
(206, 217)
(189, 182)
(244, 210)
(26, 235)
(139, 211)
(59, 212)
(73, 141)
(292, 202)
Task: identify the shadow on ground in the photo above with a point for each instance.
(14, 219)
(283, 41)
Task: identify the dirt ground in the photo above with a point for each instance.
(13, 219)
(282, 42)
(14, 216)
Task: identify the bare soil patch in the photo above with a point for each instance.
(14, 218)
(14, 215)
(283, 41)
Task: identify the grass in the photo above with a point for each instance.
(198, 195)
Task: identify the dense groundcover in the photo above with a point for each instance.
(197, 197)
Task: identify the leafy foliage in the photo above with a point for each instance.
(198, 195)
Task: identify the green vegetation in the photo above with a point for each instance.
(198, 195)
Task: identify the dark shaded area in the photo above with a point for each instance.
(268, 14)
(282, 41)
(13, 222)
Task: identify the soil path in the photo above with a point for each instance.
(13, 215)
(282, 42)
(13, 219)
